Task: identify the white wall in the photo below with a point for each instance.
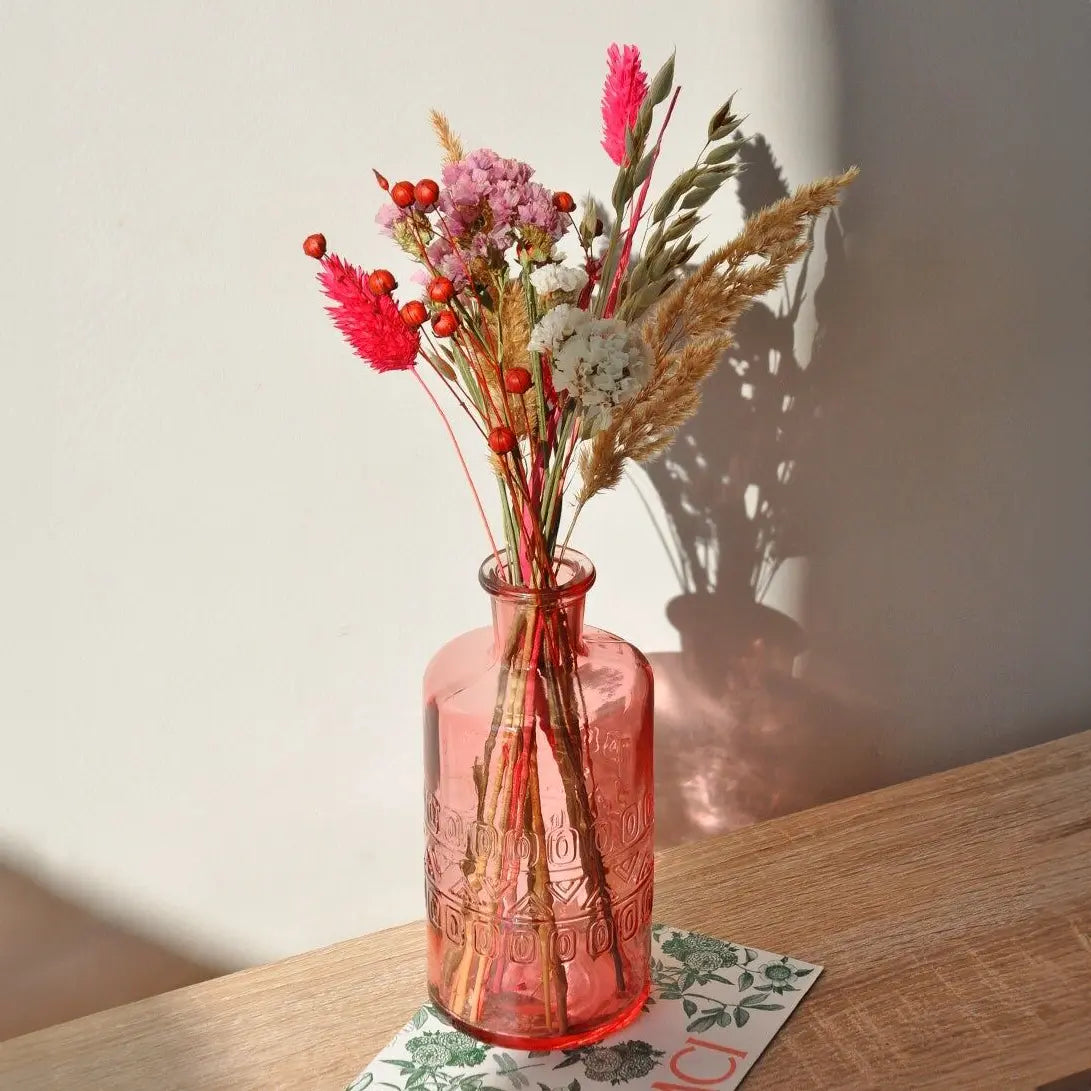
(953, 499)
(228, 549)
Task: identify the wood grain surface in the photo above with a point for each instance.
(952, 914)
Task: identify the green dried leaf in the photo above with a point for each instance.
(654, 249)
(663, 82)
(720, 118)
(643, 169)
(637, 278)
(673, 193)
(639, 132)
(659, 265)
(712, 180)
(724, 152)
(696, 197)
(588, 222)
(682, 226)
(725, 131)
(639, 302)
(448, 373)
(689, 251)
(623, 190)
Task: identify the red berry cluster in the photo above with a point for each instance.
(424, 194)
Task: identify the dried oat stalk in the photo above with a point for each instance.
(690, 329)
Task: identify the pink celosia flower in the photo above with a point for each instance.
(371, 323)
(622, 95)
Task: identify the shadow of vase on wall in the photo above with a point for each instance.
(739, 737)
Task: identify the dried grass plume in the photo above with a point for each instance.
(452, 147)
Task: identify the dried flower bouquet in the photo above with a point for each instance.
(571, 337)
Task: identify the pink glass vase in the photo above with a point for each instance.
(538, 790)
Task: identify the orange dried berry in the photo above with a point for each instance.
(401, 193)
(314, 246)
(517, 380)
(444, 323)
(426, 193)
(382, 282)
(383, 183)
(502, 440)
(563, 202)
(441, 290)
(414, 313)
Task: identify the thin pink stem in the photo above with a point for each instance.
(465, 468)
(634, 219)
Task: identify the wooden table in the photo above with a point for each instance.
(952, 914)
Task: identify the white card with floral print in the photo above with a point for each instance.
(713, 1008)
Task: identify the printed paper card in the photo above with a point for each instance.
(714, 1007)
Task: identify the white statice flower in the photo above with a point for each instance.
(558, 278)
(555, 327)
(601, 364)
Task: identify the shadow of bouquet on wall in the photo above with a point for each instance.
(740, 737)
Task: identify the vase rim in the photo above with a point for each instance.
(576, 574)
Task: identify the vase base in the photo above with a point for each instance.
(559, 1041)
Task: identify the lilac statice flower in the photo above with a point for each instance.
(489, 203)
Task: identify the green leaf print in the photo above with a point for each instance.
(706, 1022)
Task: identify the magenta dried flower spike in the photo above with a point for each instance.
(623, 94)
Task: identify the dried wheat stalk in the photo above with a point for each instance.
(510, 329)
(690, 329)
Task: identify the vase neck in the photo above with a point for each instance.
(530, 621)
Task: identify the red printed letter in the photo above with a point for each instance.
(693, 1044)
